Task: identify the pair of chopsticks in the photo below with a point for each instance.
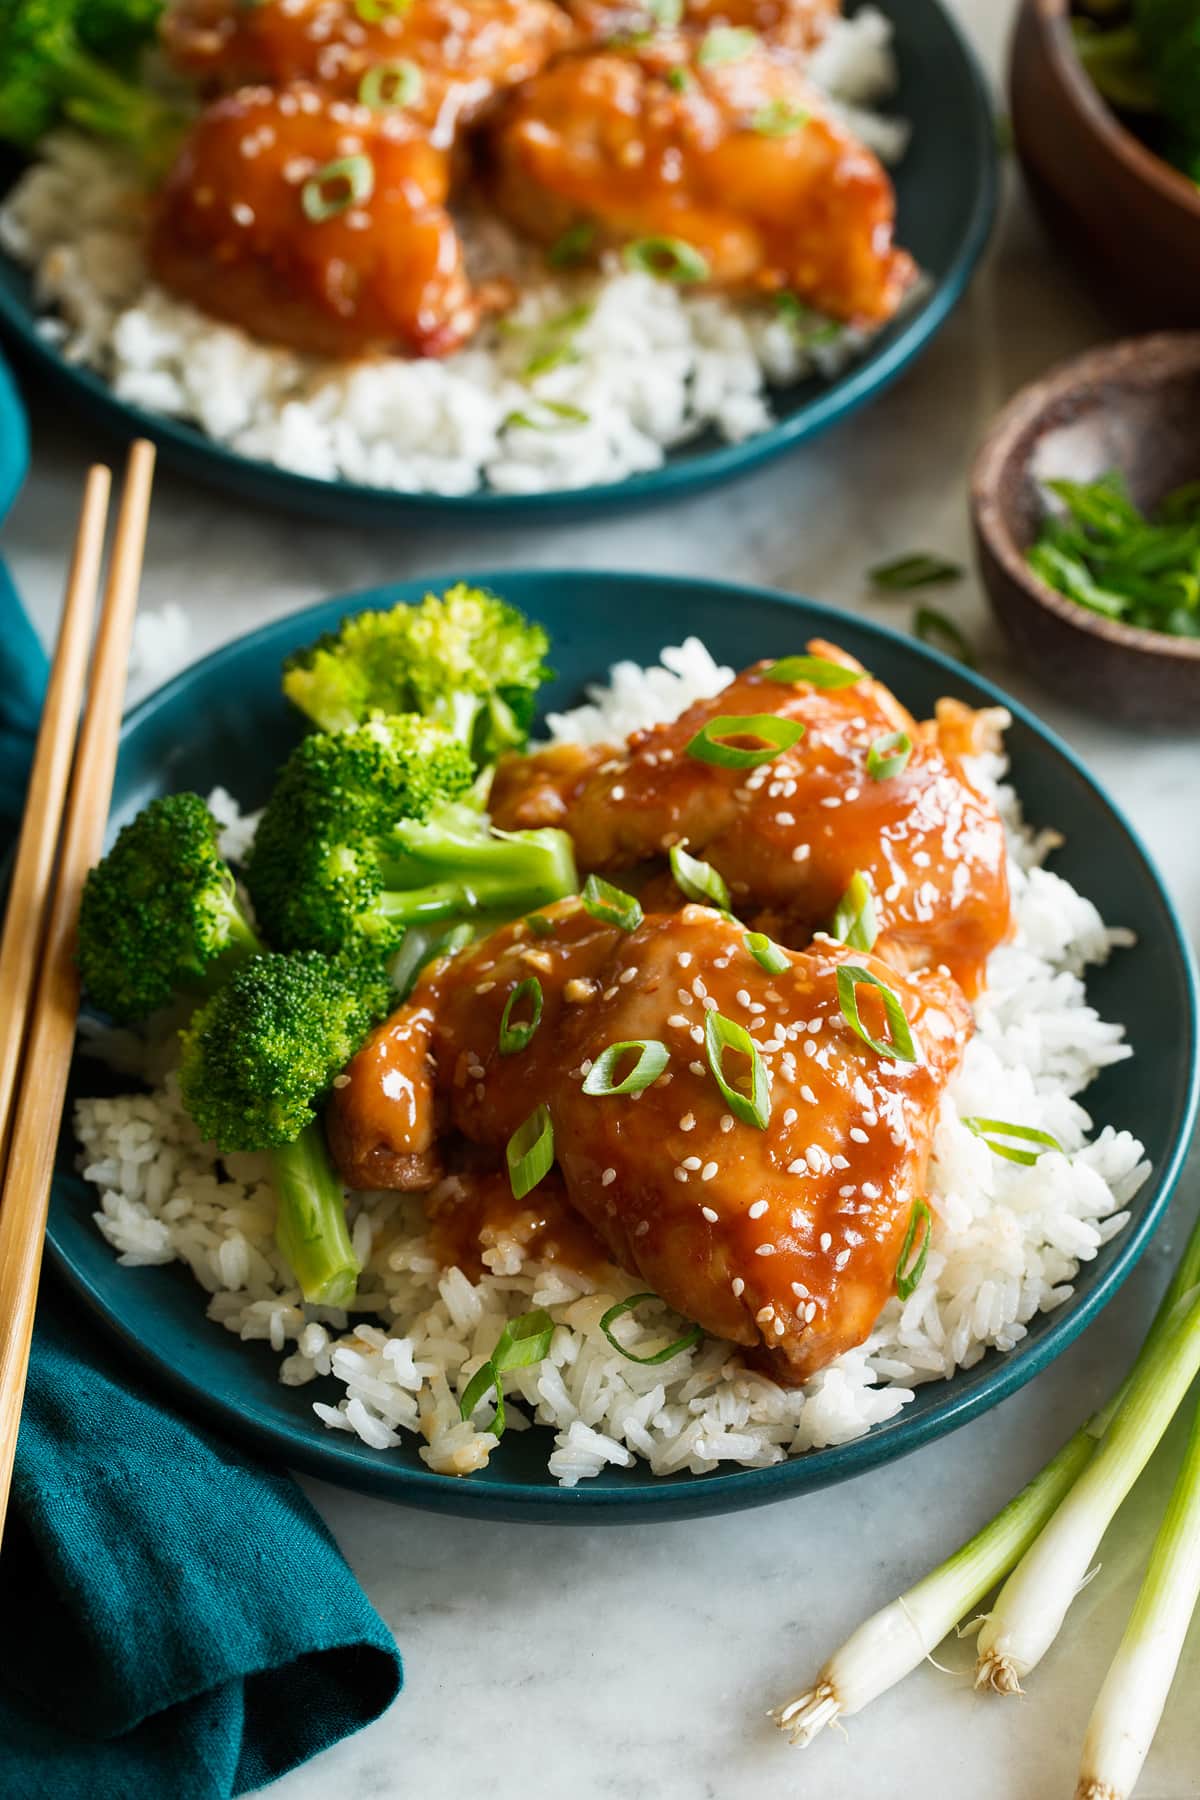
(62, 832)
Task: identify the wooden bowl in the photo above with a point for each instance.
(1133, 406)
(1123, 213)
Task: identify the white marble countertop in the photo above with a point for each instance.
(625, 1664)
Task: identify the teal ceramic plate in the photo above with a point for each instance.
(14, 441)
(226, 722)
(946, 191)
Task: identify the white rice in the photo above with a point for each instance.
(1007, 1241)
(651, 366)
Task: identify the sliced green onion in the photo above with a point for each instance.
(680, 79)
(523, 1341)
(818, 671)
(908, 1275)
(665, 13)
(917, 569)
(372, 11)
(780, 118)
(552, 344)
(993, 1130)
(766, 953)
(622, 1307)
(422, 945)
(611, 905)
(529, 1152)
(709, 746)
(722, 1034)
(539, 924)
(667, 259)
(352, 179)
(889, 755)
(810, 329)
(725, 44)
(698, 880)
(653, 1058)
(391, 84)
(850, 977)
(556, 415)
(519, 1036)
(854, 921)
(935, 628)
(573, 246)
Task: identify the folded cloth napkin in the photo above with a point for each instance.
(177, 1619)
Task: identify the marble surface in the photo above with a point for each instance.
(624, 1664)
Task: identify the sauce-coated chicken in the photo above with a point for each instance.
(784, 1238)
(789, 834)
(316, 224)
(793, 25)
(463, 50)
(738, 160)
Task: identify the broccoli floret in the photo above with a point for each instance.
(257, 1058)
(160, 912)
(71, 59)
(466, 659)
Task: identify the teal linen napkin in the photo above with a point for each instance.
(176, 1618)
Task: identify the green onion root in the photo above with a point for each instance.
(1131, 1702)
(897, 1640)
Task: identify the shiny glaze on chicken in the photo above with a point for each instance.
(789, 834)
(231, 232)
(785, 1239)
(741, 160)
(464, 50)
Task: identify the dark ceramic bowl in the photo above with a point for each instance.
(225, 721)
(1128, 217)
(1133, 406)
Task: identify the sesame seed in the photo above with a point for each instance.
(832, 800)
(790, 1116)
(341, 1081)
(697, 1068)
(241, 213)
(785, 818)
(684, 959)
(858, 1136)
(826, 1241)
(608, 1177)
(851, 795)
(681, 1174)
(799, 1167)
(577, 989)
(726, 1121)
(779, 1328)
(806, 1093)
(627, 975)
(708, 1171)
(810, 1312)
(709, 1214)
(742, 997)
(688, 1122)
(642, 1228)
(800, 1291)
(609, 994)
(764, 1315)
(764, 1250)
(618, 793)
(841, 1259)
(839, 1162)
(691, 1162)
(485, 987)
(699, 989)
(845, 1192)
(738, 1286)
(758, 1209)
(870, 1191)
(697, 1037)
(678, 1020)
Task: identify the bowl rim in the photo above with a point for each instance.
(1144, 361)
(729, 1489)
(1052, 18)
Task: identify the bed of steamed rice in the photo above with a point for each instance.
(651, 366)
(1007, 1240)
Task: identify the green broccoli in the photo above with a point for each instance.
(160, 912)
(366, 834)
(256, 1059)
(465, 658)
(1169, 31)
(73, 59)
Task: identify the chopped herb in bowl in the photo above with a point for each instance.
(1101, 550)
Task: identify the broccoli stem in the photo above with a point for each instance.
(103, 102)
(310, 1229)
(499, 872)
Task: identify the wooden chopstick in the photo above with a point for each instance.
(37, 847)
(24, 1200)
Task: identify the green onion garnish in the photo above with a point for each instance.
(529, 1152)
(337, 187)
(908, 1277)
(889, 755)
(854, 921)
(722, 1034)
(766, 953)
(818, 671)
(556, 415)
(552, 342)
(901, 1048)
(776, 735)
(653, 1058)
(679, 79)
(935, 628)
(421, 946)
(391, 84)
(517, 1037)
(539, 924)
(522, 1342)
(780, 118)
(664, 12)
(725, 44)
(611, 905)
(667, 259)
(810, 329)
(917, 569)
(993, 1130)
(618, 1311)
(372, 11)
(573, 246)
(699, 880)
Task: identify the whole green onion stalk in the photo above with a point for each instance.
(897, 1639)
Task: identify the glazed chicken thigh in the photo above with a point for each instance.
(316, 224)
(788, 834)
(737, 160)
(770, 1205)
(462, 51)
